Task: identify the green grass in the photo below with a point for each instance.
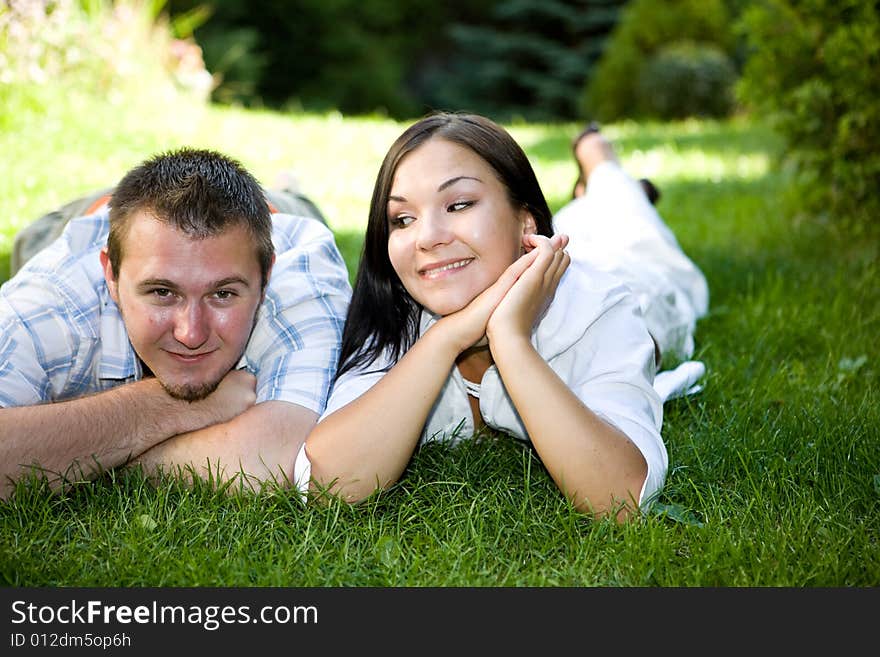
(774, 473)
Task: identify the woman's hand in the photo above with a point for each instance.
(558, 241)
(525, 301)
(467, 327)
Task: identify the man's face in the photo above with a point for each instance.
(189, 305)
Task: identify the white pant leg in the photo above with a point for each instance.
(614, 227)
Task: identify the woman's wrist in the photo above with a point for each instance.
(508, 342)
(446, 338)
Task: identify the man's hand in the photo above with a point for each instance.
(234, 395)
(257, 446)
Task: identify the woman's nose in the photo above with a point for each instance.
(433, 229)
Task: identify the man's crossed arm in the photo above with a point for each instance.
(139, 423)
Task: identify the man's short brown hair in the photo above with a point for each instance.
(202, 193)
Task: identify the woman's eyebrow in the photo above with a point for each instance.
(443, 185)
(452, 181)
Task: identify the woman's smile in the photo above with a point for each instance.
(444, 268)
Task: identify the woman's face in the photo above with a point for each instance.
(453, 231)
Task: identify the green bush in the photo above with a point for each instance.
(686, 79)
(646, 27)
(235, 63)
(814, 72)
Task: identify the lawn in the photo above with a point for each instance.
(774, 473)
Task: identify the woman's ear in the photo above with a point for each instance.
(528, 222)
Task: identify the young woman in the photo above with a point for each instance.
(467, 311)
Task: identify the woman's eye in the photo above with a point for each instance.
(402, 221)
(459, 205)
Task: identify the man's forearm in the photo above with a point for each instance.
(81, 437)
(260, 445)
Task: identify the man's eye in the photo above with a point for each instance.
(224, 294)
(162, 292)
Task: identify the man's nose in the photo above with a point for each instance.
(433, 229)
(191, 325)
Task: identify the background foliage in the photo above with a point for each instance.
(69, 48)
(814, 72)
(660, 50)
(686, 79)
(357, 56)
(502, 57)
(529, 60)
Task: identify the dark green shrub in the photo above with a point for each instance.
(686, 79)
(814, 73)
(645, 28)
(357, 56)
(529, 59)
(235, 62)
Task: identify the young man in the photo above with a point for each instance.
(185, 326)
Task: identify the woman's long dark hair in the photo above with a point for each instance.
(382, 315)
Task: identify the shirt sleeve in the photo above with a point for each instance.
(37, 345)
(613, 375)
(294, 347)
(351, 385)
(355, 382)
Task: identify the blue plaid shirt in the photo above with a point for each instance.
(62, 337)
